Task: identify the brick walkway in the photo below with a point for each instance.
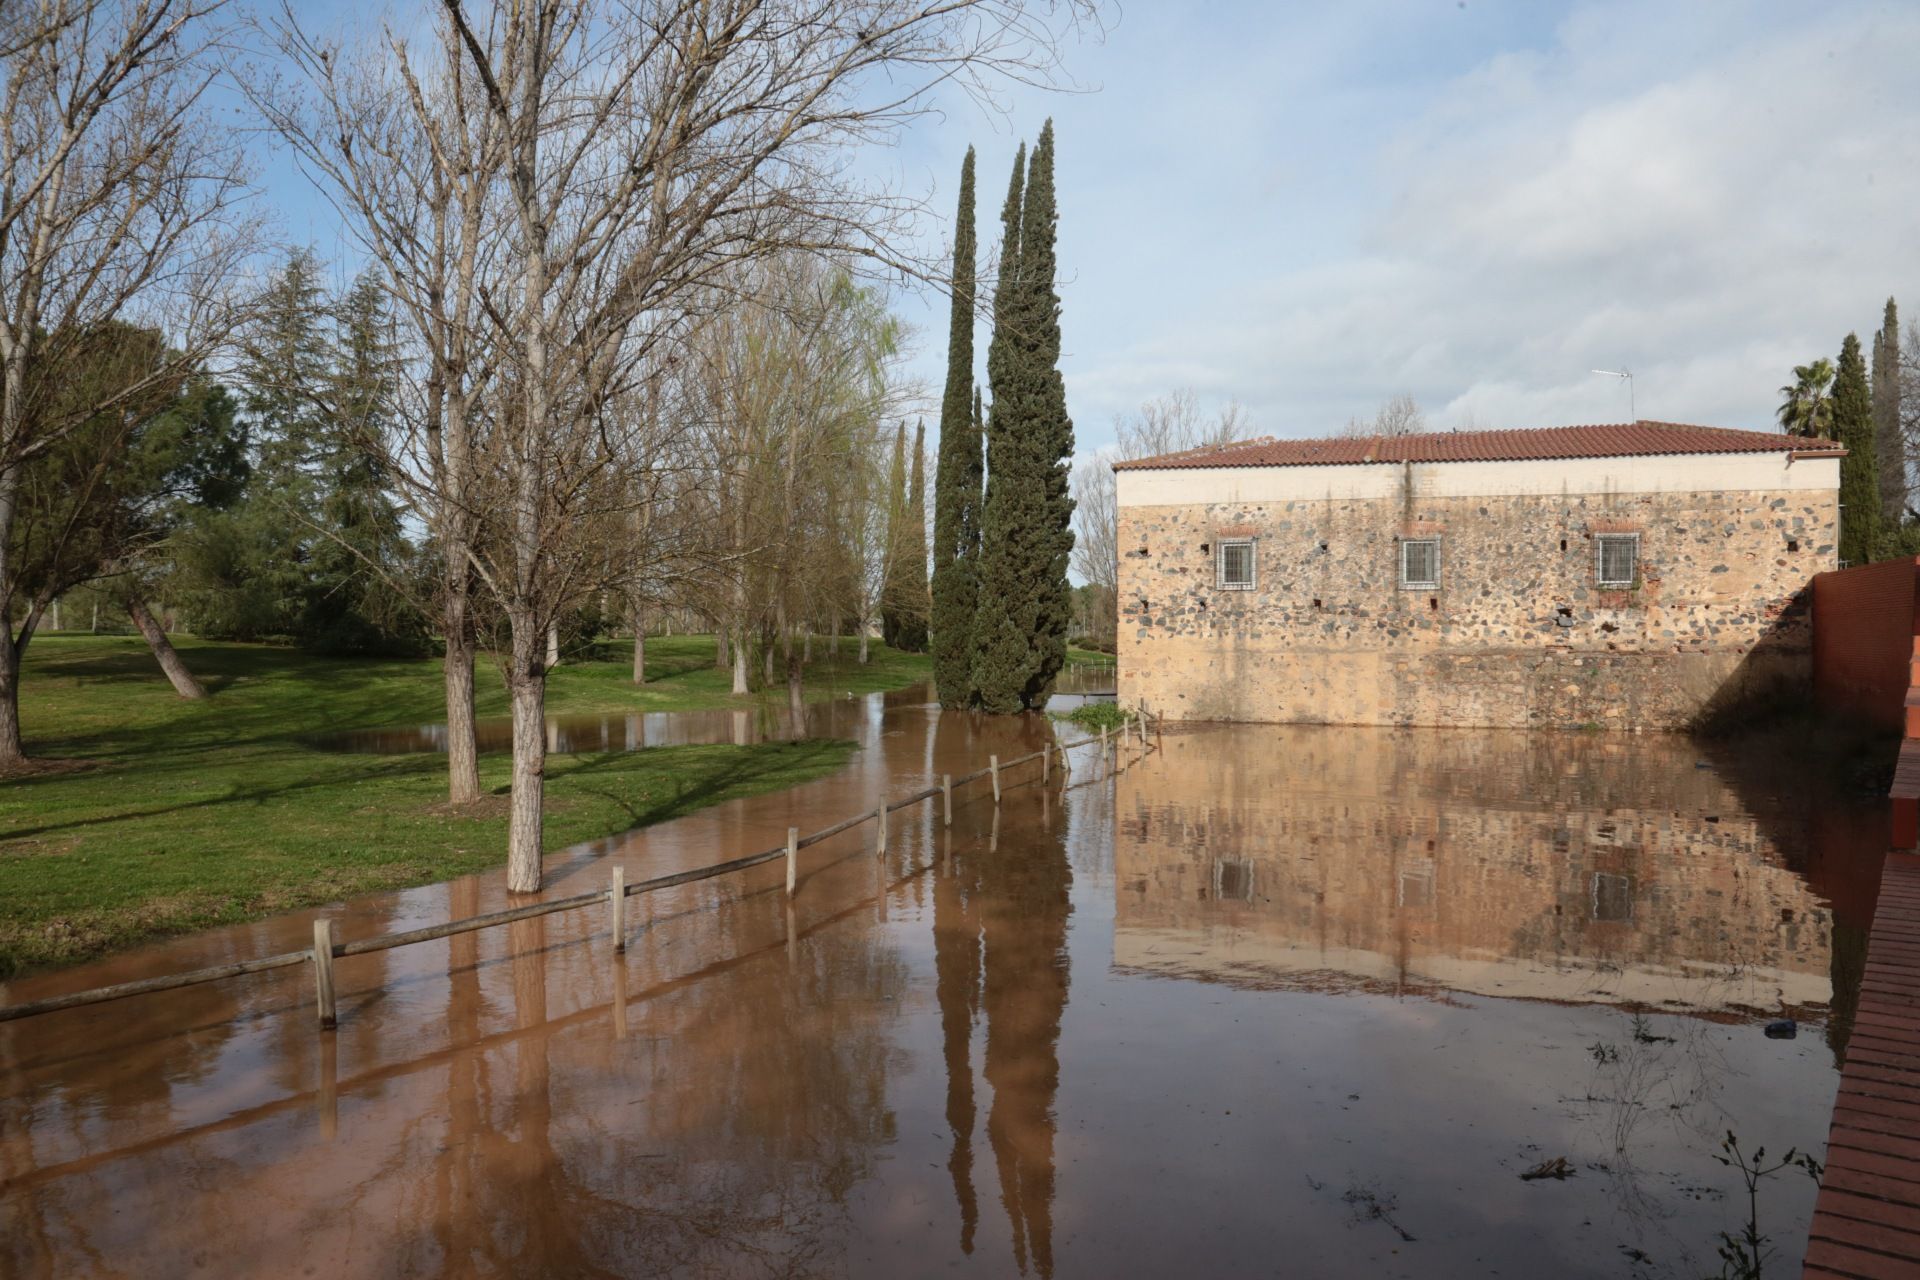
(1867, 1220)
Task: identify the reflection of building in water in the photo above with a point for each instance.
(1550, 867)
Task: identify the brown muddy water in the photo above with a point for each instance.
(769, 721)
(1275, 1001)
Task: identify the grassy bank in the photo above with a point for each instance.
(170, 816)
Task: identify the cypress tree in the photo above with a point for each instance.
(1859, 480)
(892, 591)
(913, 551)
(957, 476)
(1886, 420)
(1020, 627)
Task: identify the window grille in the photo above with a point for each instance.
(1236, 565)
(1617, 557)
(1420, 563)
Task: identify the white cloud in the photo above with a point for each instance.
(1705, 194)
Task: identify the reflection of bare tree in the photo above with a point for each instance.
(956, 960)
(1024, 908)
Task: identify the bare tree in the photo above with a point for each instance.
(116, 205)
(1173, 423)
(631, 153)
(1399, 415)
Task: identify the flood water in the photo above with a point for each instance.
(1273, 1001)
(769, 721)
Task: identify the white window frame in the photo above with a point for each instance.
(1242, 866)
(1600, 578)
(1220, 564)
(1424, 584)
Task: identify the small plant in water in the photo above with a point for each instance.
(1097, 716)
(1742, 1256)
(1643, 1031)
(1603, 1053)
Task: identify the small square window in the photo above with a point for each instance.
(1236, 565)
(1612, 897)
(1617, 559)
(1420, 563)
(1233, 880)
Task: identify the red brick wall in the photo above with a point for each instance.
(1863, 639)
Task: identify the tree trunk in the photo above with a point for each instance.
(806, 646)
(56, 614)
(13, 752)
(527, 682)
(553, 647)
(177, 674)
(639, 646)
(94, 627)
(796, 697)
(721, 657)
(863, 644)
(463, 755)
(740, 663)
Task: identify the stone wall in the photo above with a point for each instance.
(1571, 868)
(1517, 633)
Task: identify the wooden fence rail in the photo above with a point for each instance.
(323, 967)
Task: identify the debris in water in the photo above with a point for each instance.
(1784, 1029)
(1556, 1168)
(1369, 1205)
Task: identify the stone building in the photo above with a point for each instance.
(1632, 576)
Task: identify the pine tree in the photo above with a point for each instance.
(1859, 482)
(353, 605)
(913, 552)
(892, 589)
(1891, 441)
(1020, 627)
(957, 476)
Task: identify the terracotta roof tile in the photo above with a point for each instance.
(1609, 440)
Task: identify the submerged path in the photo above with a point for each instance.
(1867, 1220)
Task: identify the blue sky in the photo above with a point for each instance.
(1310, 208)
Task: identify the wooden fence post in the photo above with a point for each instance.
(880, 845)
(323, 969)
(793, 858)
(993, 766)
(617, 908)
(1126, 732)
(1046, 766)
(946, 798)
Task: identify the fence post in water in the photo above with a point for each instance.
(993, 766)
(1046, 766)
(793, 858)
(880, 845)
(617, 908)
(946, 798)
(323, 969)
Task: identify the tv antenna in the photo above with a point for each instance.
(1627, 375)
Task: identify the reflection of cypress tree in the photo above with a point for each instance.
(1848, 970)
(956, 966)
(1024, 932)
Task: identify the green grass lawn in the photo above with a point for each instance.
(1091, 657)
(179, 815)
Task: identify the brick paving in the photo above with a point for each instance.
(1866, 1222)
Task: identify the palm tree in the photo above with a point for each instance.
(1805, 407)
